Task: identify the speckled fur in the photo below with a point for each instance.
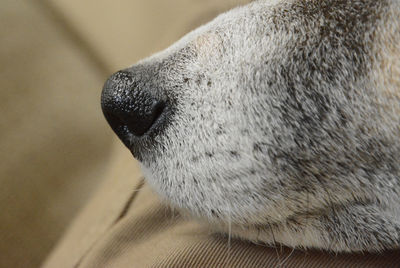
(285, 123)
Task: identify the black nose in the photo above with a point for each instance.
(129, 106)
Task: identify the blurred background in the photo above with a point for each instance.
(55, 146)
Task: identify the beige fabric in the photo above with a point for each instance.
(54, 142)
(126, 225)
(125, 31)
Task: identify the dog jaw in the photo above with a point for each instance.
(279, 131)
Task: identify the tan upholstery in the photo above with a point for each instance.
(54, 142)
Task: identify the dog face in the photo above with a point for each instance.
(276, 119)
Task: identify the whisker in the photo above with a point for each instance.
(287, 258)
(229, 229)
(331, 206)
(273, 238)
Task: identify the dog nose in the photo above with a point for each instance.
(128, 106)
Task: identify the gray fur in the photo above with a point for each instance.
(284, 123)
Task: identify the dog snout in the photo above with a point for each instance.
(129, 106)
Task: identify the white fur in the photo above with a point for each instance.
(256, 148)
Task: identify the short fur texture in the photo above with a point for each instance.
(284, 123)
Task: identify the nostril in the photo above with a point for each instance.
(158, 110)
(143, 117)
